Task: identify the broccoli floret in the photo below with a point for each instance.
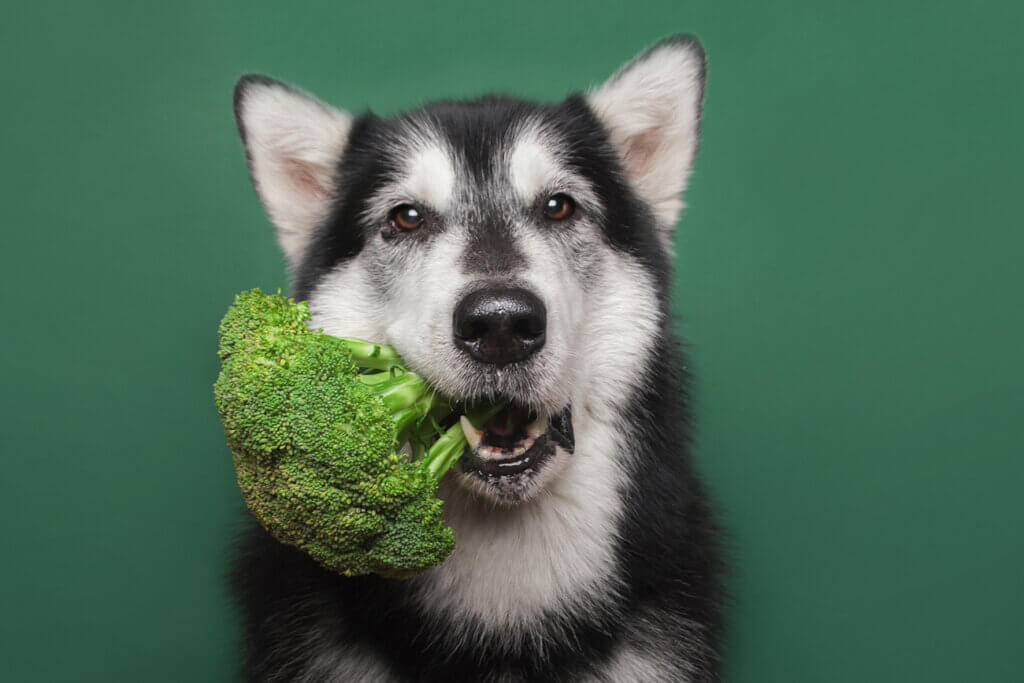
(314, 423)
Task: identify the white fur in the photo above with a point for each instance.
(622, 321)
(651, 108)
(420, 308)
(294, 143)
(535, 169)
(335, 308)
(431, 178)
(531, 168)
(426, 178)
(564, 296)
(552, 553)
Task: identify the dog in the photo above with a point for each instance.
(516, 251)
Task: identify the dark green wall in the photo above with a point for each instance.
(848, 277)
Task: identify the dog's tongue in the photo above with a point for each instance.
(510, 420)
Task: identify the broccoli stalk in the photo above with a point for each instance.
(315, 424)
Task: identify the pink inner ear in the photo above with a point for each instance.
(639, 150)
(309, 179)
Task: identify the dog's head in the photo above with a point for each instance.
(508, 250)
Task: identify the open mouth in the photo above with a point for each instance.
(514, 441)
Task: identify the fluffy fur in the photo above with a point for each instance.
(600, 565)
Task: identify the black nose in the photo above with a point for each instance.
(500, 326)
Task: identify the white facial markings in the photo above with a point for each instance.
(534, 168)
(531, 168)
(344, 304)
(621, 322)
(426, 175)
(431, 178)
(562, 293)
(420, 305)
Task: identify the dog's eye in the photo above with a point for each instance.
(406, 217)
(558, 207)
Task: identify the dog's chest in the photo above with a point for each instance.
(554, 555)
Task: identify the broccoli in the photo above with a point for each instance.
(315, 423)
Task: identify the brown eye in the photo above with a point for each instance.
(406, 217)
(559, 207)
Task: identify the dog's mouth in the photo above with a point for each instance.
(514, 442)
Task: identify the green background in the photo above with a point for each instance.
(848, 277)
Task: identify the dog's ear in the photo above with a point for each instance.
(651, 109)
(293, 143)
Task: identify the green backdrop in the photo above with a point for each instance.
(848, 277)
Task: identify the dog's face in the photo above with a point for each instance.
(510, 251)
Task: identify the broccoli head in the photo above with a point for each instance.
(314, 423)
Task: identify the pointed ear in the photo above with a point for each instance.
(293, 143)
(651, 109)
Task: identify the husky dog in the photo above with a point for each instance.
(519, 251)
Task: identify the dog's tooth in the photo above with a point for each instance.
(537, 427)
(518, 451)
(473, 435)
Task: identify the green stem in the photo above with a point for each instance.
(370, 355)
(401, 391)
(425, 430)
(445, 451)
(375, 379)
(409, 420)
(404, 421)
